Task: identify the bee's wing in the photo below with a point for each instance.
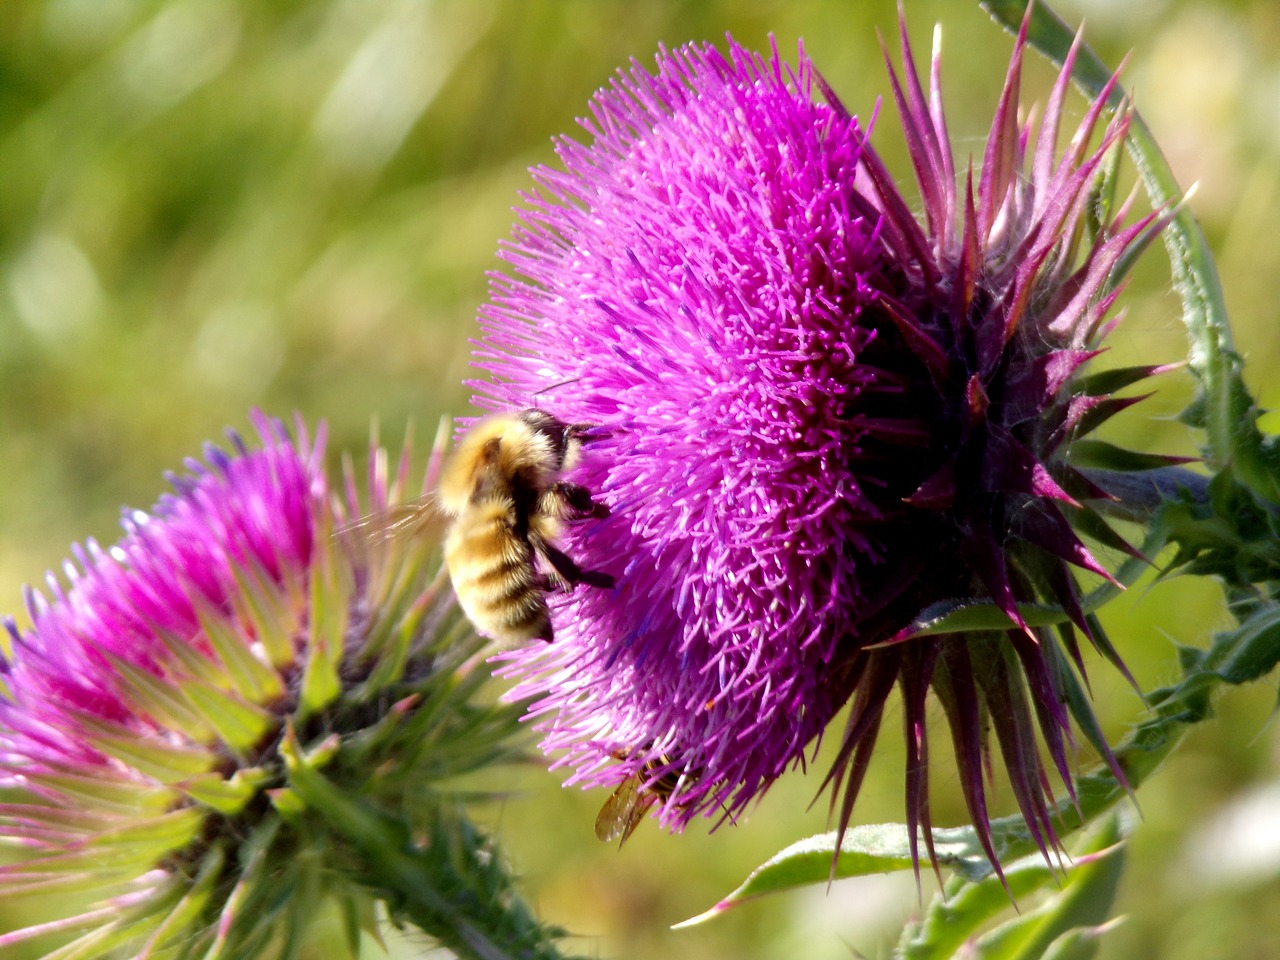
(421, 515)
(624, 810)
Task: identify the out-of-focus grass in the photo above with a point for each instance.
(207, 205)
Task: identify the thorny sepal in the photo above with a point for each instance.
(1242, 655)
(1233, 533)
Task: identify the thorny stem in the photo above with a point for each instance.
(452, 884)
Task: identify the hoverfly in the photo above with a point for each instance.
(634, 797)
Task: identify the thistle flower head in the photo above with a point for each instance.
(147, 713)
(817, 417)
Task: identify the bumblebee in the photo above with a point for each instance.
(504, 492)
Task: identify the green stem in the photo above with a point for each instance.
(452, 885)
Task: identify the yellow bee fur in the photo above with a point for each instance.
(504, 491)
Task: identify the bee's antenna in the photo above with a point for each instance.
(555, 386)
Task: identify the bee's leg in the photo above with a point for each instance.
(545, 632)
(584, 433)
(552, 581)
(571, 501)
(549, 576)
(596, 578)
(564, 569)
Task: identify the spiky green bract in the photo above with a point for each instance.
(154, 710)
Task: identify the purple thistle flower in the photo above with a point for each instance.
(146, 715)
(817, 418)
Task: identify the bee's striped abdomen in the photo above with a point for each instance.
(493, 576)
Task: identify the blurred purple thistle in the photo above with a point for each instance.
(158, 712)
(818, 417)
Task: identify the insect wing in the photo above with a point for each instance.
(420, 516)
(624, 810)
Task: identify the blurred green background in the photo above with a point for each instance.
(209, 205)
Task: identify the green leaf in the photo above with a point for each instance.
(1236, 656)
(966, 616)
(955, 916)
(973, 898)
(1080, 943)
(1254, 648)
(866, 849)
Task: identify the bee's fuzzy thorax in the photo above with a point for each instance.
(504, 487)
(503, 453)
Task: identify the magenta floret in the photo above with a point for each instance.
(252, 510)
(702, 265)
